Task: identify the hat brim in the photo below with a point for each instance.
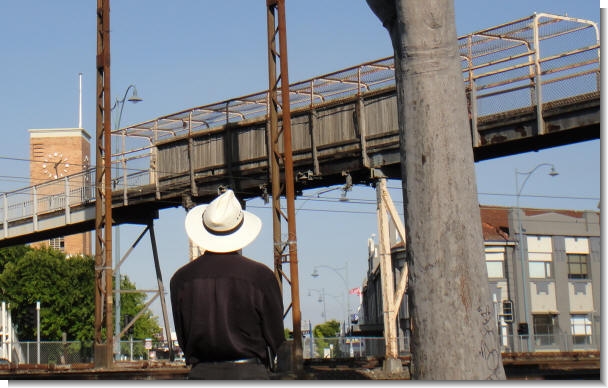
(240, 238)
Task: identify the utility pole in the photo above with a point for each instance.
(103, 197)
(277, 29)
(454, 334)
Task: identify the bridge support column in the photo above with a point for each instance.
(161, 289)
(276, 29)
(391, 298)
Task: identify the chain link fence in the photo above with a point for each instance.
(53, 352)
(74, 352)
(350, 347)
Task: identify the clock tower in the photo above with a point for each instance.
(55, 154)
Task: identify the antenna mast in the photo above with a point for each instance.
(79, 100)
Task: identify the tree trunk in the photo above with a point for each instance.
(454, 334)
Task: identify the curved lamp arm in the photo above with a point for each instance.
(528, 174)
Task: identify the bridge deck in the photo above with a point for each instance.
(342, 123)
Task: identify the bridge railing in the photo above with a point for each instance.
(47, 198)
(60, 196)
(528, 63)
(522, 64)
(524, 56)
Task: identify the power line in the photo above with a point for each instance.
(542, 196)
(306, 198)
(531, 195)
(15, 159)
(354, 200)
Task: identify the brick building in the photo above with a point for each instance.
(55, 155)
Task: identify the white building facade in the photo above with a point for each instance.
(549, 301)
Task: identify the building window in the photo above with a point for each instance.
(540, 269)
(577, 266)
(544, 329)
(580, 327)
(540, 257)
(57, 243)
(495, 258)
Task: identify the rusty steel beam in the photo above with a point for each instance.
(277, 29)
(103, 203)
(275, 157)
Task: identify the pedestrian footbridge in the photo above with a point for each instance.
(531, 84)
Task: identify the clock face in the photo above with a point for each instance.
(55, 165)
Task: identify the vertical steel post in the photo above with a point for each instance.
(66, 206)
(103, 200)
(37, 332)
(161, 289)
(5, 214)
(276, 28)
(273, 145)
(3, 314)
(540, 121)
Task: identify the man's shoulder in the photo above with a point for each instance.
(255, 263)
(250, 268)
(225, 264)
(181, 271)
(187, 269)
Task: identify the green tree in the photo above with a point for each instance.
(328, 329)
(12, 254)
(131, 304)
(65, 289)
(324, 331)
(146, 326)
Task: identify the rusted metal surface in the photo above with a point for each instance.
(338, 149)
(368, 87)
(327, 106)
(277, 29)
(498, 67)
(551, 365)
(103, 205)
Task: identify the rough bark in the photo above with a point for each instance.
(454, 334)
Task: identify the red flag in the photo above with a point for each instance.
(355, 291)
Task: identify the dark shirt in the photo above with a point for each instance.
(226, 307)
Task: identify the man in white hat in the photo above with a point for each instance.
(227, 308)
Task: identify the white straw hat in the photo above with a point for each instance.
(222, 225)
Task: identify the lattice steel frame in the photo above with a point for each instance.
(103, 204)
(277, 29)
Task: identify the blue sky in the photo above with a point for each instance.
(187, 53)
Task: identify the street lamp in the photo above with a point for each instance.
(315, 273)
(134, 99)
(323, 297)
(518, 188)
(320, 300)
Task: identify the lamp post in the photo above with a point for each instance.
(524, 278)
(321, 299)
(119, 103)
(315, 273)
